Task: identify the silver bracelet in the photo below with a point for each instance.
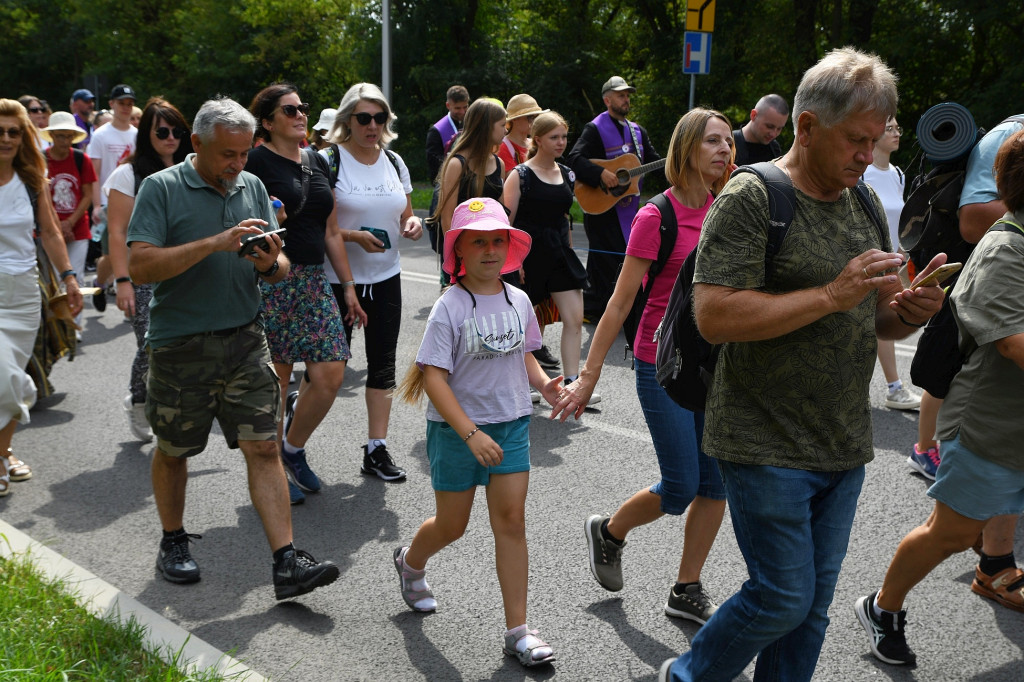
(350, 283)
(466, 439)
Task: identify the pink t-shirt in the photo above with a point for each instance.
(644, 241)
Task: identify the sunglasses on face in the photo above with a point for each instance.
(36, 110)
(364, 118)
(13, 133)
(293, 110)
(163, 132)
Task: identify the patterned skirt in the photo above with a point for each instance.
(303, 323)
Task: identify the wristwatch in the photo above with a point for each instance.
(271, 271)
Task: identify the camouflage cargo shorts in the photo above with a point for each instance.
(196, 379)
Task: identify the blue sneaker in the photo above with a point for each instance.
(295, 495)
(925, 463)
(299, 472)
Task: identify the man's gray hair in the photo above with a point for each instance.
(846, 81)
(773, 101)
(341, 131)
(224, 112)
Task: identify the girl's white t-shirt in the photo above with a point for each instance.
(370, 196)
(888, 185)
(17, 250)
(492, 386)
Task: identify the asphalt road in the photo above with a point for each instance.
(91, 500)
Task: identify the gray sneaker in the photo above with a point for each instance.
(605, 557)
(902, 399)
(693, 604)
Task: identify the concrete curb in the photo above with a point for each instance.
(101, 598)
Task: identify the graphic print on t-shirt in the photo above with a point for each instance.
(493, 334)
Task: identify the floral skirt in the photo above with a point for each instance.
(303, 323)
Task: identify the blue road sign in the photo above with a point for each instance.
(696, 52)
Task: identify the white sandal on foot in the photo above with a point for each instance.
(421, 600)
(527, 647)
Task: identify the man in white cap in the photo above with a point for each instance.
(608, 136)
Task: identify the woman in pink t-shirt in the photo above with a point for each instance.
(699, 160)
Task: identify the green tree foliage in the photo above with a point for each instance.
(559, 52)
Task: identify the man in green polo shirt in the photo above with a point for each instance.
(208, 355)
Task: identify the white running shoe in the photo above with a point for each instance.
(137, 422)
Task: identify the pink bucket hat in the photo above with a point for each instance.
(484, 214)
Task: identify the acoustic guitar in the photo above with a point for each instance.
(627, 168)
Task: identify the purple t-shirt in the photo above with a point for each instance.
(644, 241)
(491, 385)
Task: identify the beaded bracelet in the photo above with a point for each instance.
(470, 434)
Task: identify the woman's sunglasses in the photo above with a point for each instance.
(13, 133)
(163, 132)
(36, 110)
(364, 118)
(293, 110)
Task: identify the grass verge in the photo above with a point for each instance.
(48, 636)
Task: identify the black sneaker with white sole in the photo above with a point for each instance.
(379, 463)
(887, 635)
(545, 358)
(693, 604)
(298, 573)
(175, 562)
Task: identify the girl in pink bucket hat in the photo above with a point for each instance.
(480, 335)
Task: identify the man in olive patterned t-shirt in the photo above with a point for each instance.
(788, 416)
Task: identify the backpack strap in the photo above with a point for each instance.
(306, 174)
(668, 230)
(524, 179)
(1007, 225)
(861, 190)
(79, 159)
(333, 161)
(781, 207)
(393, 158)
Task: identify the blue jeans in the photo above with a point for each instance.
(793, 528)
(676, 433)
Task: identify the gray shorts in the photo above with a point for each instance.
(227, 376)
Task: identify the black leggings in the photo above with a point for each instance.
(383, 305)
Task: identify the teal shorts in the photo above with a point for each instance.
(975, 487)
(453, 467)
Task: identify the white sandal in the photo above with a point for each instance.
(535, 652)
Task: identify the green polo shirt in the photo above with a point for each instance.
(176, 206)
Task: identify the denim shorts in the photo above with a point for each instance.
(198, 378)
(975, 487)
(453, 467)
(686, 471)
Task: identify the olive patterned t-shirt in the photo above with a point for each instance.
(799, 400)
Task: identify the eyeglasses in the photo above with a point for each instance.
(894, 130)
(36, 110)
(13, 133)
(364, 118)
(293, 110)
(163, 132)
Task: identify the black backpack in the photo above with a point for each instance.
(669, 230)
(334, 162)
(929, 221)
(685, 361)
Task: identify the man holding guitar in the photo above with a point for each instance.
(595, 160)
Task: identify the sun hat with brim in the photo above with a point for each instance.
(485, 215)
(326, 120)
(64, 122)
(523, 105)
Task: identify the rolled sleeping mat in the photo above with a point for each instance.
(946, 132)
